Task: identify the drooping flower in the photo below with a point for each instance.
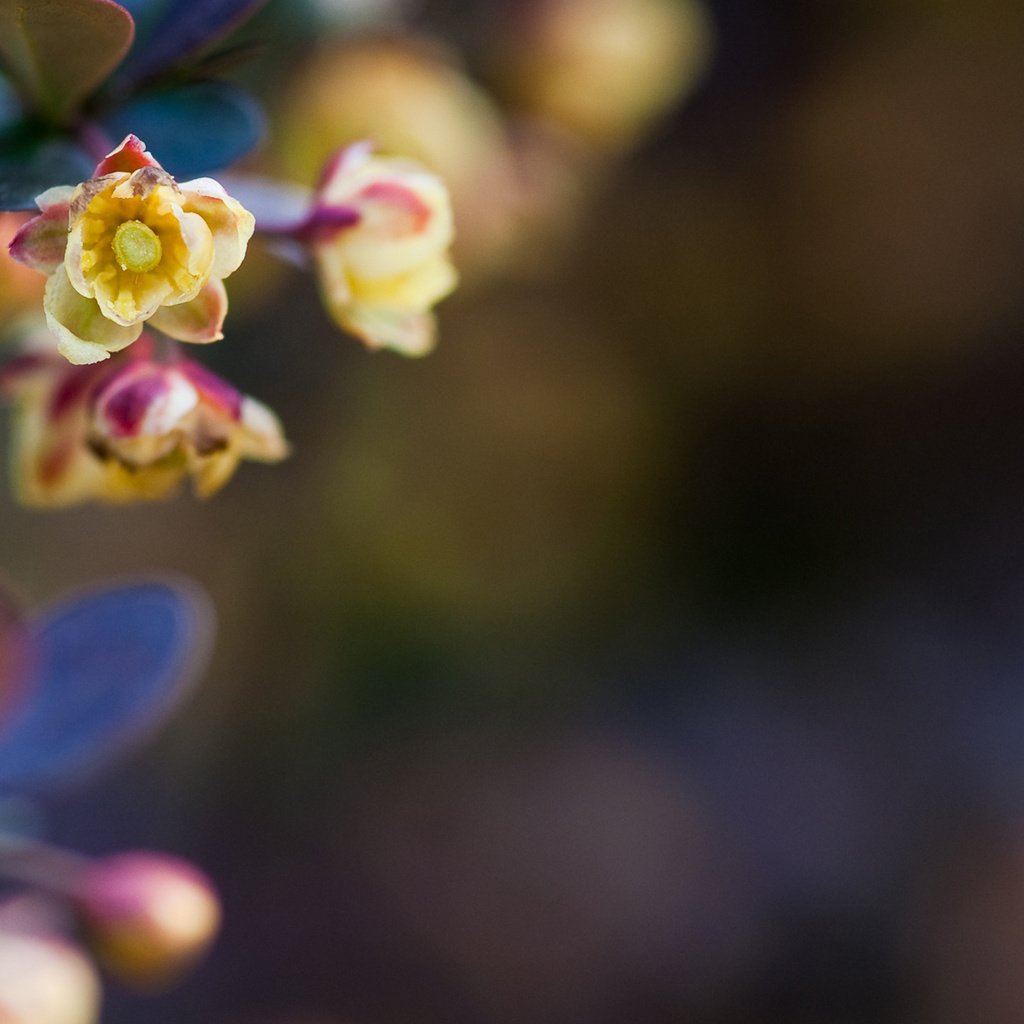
(131, 429)
(129, 246)
(380, 230)
(413, 99)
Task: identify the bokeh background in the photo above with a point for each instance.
(653, 652)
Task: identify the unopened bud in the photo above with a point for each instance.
(148, 917)
(45, 980)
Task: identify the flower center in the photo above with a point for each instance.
(136, 247)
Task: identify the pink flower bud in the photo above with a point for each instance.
(148, 916)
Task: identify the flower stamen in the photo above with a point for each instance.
(136, 247)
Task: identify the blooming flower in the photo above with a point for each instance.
(131, 429)
(131, 245)
(379, 231)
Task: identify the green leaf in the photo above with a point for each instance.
(58, 51)
(30, 164)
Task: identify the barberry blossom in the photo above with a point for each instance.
(130, 246)
(380, 231)
(131, 429)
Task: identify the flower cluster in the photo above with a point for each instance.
(129, 429)
(131, 248)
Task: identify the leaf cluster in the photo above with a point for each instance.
(78, 75)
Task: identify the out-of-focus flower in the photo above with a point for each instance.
(131, 245)
(605, 70)
(45, 980)
(129, 430)
(407, 95)
(148, 916)
(380, 230)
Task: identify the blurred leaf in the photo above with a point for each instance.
(110, 665)
(10, 105)
(147, 15)
(30, 163)
(192, 129)
(59, 51)
(216, 63)
(185, 28)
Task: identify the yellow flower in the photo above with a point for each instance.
(132, 429)
(130, 246)
(380, 233)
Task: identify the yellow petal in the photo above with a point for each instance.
(229, 222)
(84, 334)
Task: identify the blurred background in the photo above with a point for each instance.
(653, 652)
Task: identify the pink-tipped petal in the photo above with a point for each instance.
(214, 391)
(41, 242)
(343, 163)
(129, 156)
(144, 399)
(199, 321)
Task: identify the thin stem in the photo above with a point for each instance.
(40, 865)
(94, 140)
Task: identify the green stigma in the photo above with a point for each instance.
(136, 247)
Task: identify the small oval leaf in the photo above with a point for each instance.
(58, 51)
(30, 164)
(109, 666)
(192, 129)
(186, 27)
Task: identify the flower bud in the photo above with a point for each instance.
(45, 980)
(148, 916)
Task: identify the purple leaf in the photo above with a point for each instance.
(192, 129)
(108, 667)
(187, 27)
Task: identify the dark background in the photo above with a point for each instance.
(652, 652)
